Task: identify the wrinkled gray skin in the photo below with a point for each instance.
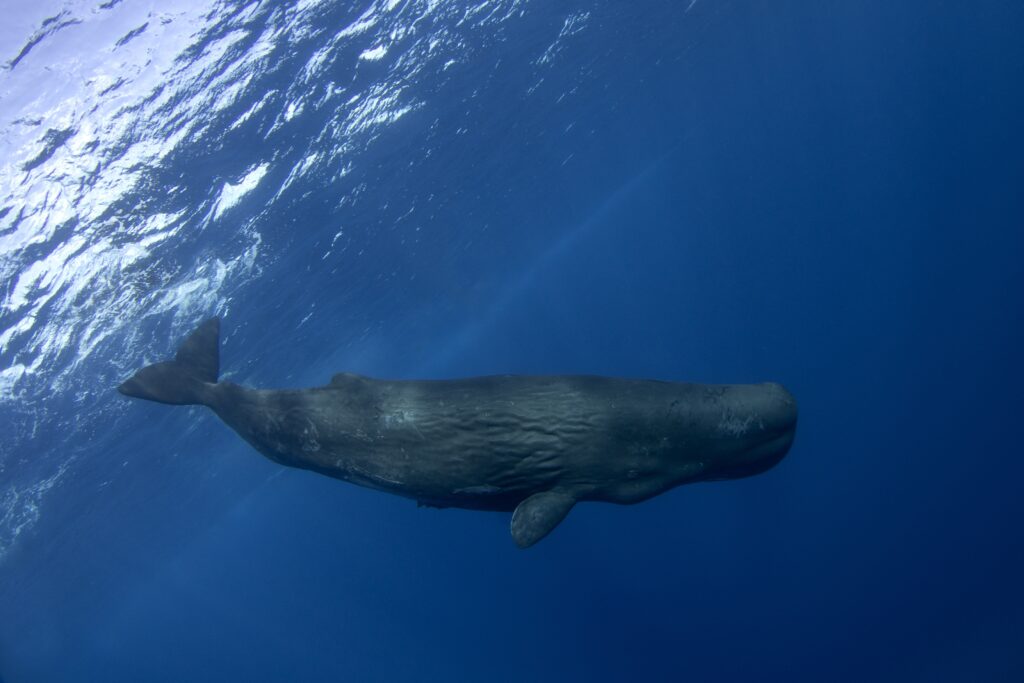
(535, 445)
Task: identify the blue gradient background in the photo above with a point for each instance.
(825, 194)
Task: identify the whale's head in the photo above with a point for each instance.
(755, 427)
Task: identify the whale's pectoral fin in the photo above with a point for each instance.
(536, 516)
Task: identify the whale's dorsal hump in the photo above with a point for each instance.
(346, 378)
(536, 516)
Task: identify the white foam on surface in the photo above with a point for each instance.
(232, 193)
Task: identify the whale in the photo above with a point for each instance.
(531, 445)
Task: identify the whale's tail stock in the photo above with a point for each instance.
(188, 378)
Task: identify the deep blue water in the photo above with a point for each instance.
(824, 194)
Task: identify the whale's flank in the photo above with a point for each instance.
(187, 379)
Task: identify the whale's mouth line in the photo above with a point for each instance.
(781, 440)
(759, 457)
(770, 451)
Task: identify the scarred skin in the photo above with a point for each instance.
(536, 443)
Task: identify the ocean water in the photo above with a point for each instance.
(825, 194)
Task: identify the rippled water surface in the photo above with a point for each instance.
(822, 194)
(158, 158)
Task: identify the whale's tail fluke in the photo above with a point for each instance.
(189, 377)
